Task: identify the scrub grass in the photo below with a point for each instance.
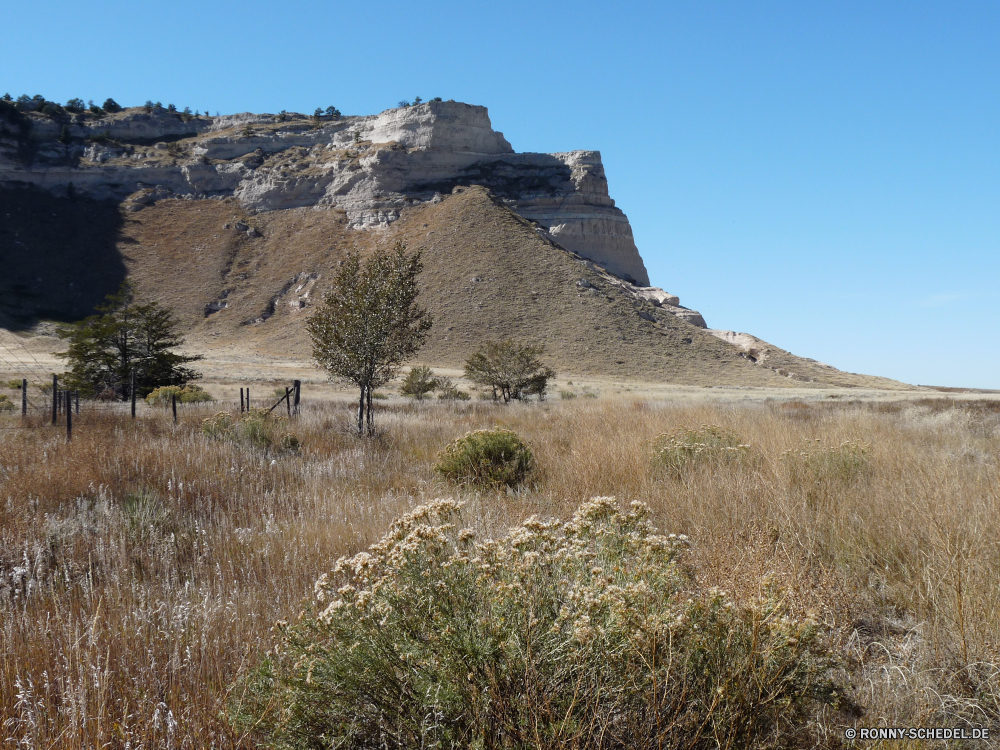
(144, 566)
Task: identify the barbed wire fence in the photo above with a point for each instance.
(39, 394)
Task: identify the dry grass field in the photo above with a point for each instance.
(143, 565)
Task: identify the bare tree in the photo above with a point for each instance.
(369, 323)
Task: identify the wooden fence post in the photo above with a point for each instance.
(288, 400)
(241, 400)
(55, 396)
(133, 393)
(77, 401)
(69, 416)
(297, 384)
(173, 404)
(24, 397)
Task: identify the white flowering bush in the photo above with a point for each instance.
(674, 452)
(822, 473)
(584, 634)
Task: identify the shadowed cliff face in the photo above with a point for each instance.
(59, 257)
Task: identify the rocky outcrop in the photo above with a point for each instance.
(371, 167)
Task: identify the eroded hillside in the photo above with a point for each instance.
(244, 284)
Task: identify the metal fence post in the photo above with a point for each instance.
(55, 397)
(24, 397)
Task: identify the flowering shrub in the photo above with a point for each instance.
(584, 634)
(256, 428)
(486, 458)
(684, 447)
(190, 394)
(839, 463)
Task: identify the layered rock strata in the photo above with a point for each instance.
(371, 167)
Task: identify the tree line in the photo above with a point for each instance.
(368, 325)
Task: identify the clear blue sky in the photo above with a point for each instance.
(824, 175)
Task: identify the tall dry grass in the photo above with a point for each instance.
(143, 565)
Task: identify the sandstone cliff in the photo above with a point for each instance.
(372, 167)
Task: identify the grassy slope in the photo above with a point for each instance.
(487, 274)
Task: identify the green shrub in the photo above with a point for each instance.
(585, 634)
(486, 458)
(419, 381)
(567, 395)
(189, 394)
(258, 429)
(448, 391)
(676, 451)
(5, 403)
(14, 385)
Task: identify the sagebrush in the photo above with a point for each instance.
(487, 458)
(583, 634)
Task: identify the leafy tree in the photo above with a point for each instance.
(171, 108)
(110, 105)
(333, 112)
(64, 135)
(419, 381)
(51, 109)
(416, 100)
(510, 368)
(75, 105)
(122, 336)
(370, 323)
(8, 98)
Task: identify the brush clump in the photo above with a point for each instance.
(486, 458)
(582, 634)
(685, 447)
(257, 429)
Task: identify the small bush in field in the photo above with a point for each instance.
(709, 444)
(5, 403)
(189, 394)
(419, 381)
(814, 464)
(486, 458)
(256, 428)
(448, 391)
(584, 634)
(14, 385)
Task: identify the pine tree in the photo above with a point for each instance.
(122, 336)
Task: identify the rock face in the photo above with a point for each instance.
(371, 167)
